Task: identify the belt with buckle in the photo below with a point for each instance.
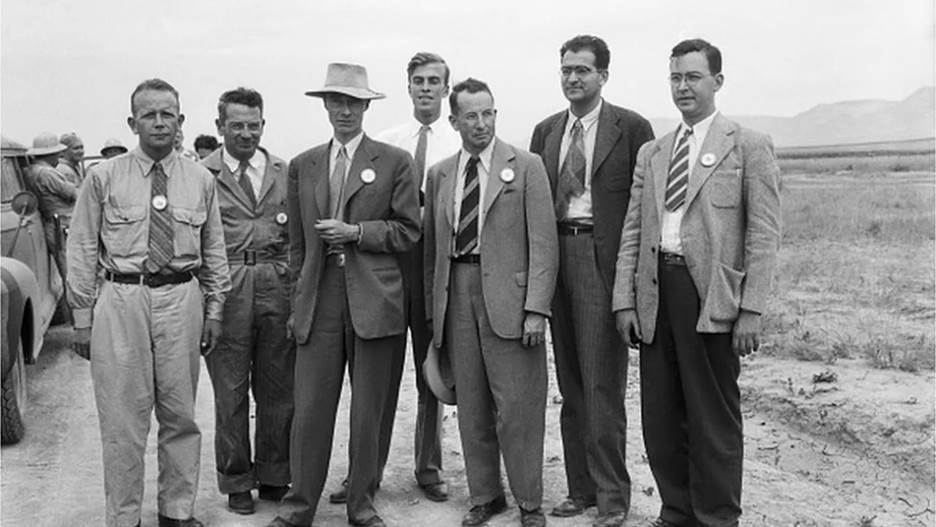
(147, 279)
(672, 259)
(251, 257)
(337, 259)
(574, 229)
(473, 259)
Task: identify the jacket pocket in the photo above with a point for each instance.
(188, 224)
(124, 229)
(726, 189)
(724, 294)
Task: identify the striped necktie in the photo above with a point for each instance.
(244, 181)
(467, 238)
(160, 248)
(678, 179)
(572, 175)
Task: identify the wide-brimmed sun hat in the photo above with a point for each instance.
(44, 144)
(437, 371)
(347, 79)
(113, 144)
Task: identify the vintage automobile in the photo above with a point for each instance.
(31, 286)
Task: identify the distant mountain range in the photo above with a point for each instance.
(843, 122)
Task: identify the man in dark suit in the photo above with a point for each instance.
(490, 264)
(589, 152)
(354, 207)
(694, 270)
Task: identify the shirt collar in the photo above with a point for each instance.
(146, 162)
(588, 119)
(416, 125)
(485, 155)
(350, 147)
(700, 129)
(233, 163)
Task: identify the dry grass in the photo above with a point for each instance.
(859, 164)
(856, 270)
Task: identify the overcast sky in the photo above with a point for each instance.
(71, 65)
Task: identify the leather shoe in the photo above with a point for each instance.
(572, 507)
(165, 521)
(534, 518)
(280, 522)
(241, 502)
(272, 492)
(373, 521)
(435, 491)
(479, 514)
(340, 495)
(660, 522)
(611, 519)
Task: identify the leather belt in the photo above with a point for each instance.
(251, 257)
(151, 280)
(336, 258)
(473, 259)
(574, 229)
(672, 259)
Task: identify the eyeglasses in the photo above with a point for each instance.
(579, 71)
(237, 126)
(692, 79)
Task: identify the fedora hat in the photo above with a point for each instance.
(113, 144)
(44, 144)
(348, 79)
(438, 374)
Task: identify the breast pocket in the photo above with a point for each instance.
(726, 188)
(124, 229)
(188, 224)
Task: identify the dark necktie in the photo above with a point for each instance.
(678, 179)
(160, 248)
(572, 176)
(244, 180)
(421, 159)
(467, 238)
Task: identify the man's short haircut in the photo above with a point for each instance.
(469, 85)
(240, 95)
(712, 54)
(155, 85)
(421, 59)
(206, 141)
(590, 43)
(69, 139)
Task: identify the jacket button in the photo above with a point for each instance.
(653, 250)
(653, 281)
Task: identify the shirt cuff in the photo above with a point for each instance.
(214, 310)
(82, 317)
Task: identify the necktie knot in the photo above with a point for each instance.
(577, 127)
(473, 162)
(242, 167)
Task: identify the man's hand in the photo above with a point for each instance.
(628, 327)
(744, 335)
(210, 335)
(534, 329)
(336, 232)
(291, 327)
(81, 343)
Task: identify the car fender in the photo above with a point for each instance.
(20, 291)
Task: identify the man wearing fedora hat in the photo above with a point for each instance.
(355, 207)
(55, 192)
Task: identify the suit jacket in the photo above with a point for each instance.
(519, 248)
(620, 134)
(730, 231)
(247, 227)
(388, 211)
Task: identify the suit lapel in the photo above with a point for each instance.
(659, 165)
(448, 177)
(229, 180)
(606, 137)
(553, 147)
(363, 159)
(272, 167)
(500, 160)
(320, 180)
(718, 142)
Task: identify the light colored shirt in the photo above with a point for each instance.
(256, 168)
(670, 241)
(442, 141)
(56, 194)
(484, 170)
(580, 207)
(110, 228)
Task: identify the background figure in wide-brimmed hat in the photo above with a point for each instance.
(70, 161)
(113, 147)
(354, 207)
(55, 192)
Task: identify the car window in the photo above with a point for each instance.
(11, 183)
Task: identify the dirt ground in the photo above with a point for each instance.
(854, 452)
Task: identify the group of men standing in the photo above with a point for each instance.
(285, 275)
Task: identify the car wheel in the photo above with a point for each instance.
(14, 399)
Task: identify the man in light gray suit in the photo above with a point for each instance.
(491, 257)
(694, 270)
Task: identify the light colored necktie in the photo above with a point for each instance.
(467, 238)
(336, 183)
(678, 179)
(572, 176)
(160, 247)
